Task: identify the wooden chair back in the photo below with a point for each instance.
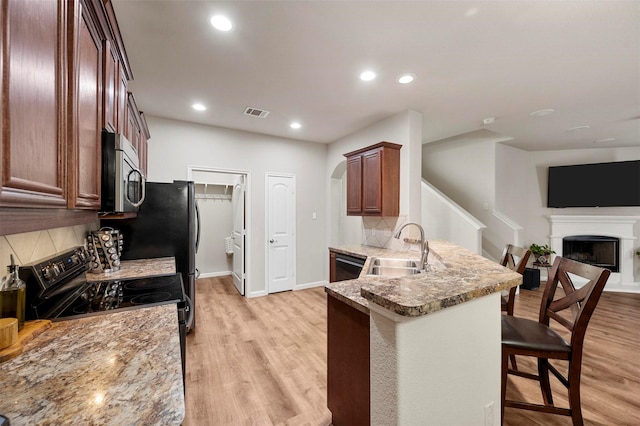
(572, 310)
(514, 258)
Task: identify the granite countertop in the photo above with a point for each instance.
(137, 269)
(456, 275)
(119, 368)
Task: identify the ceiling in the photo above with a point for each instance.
(301, 60)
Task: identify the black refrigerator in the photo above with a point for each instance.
(167, 224)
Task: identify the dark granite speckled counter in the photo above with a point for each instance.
(137, 269)
(123, 368)
(456, 275)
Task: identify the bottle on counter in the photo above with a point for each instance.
(12, 295)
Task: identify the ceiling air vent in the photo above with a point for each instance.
(255, 112)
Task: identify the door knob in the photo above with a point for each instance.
(272, 241)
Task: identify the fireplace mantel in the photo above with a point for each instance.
(626, 228)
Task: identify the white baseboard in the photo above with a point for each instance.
(215, 274)
(311, 285)
(256, 294)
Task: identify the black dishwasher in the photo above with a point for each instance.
(348, 267)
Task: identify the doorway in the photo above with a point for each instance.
(280, 209)
(223, 199)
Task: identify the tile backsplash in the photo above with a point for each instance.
(32, 246)
(378, 232)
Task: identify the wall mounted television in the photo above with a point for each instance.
(615, 184)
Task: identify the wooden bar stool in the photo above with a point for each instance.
(526, 337)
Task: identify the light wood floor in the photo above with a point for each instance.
(262, 361)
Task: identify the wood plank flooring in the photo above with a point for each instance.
(259, 361)
(262, 361)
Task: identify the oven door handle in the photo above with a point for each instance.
(189, 310)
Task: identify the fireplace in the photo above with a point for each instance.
(595, 250)
(622, 261)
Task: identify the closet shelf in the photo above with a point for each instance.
(213, 196)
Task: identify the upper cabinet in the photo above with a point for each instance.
(33, 155)
(85, 110)
(64, 79)
(136, 131)
(373, 180)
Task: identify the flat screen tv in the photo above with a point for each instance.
(614, 184)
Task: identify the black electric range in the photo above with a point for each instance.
(57, 289)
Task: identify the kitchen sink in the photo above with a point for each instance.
(393, 267)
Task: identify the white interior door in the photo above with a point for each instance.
(237, 202)
(281, 222)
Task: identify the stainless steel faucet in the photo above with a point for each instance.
(424, 245)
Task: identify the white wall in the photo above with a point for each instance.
(538, 227)
(176, 144)
(463, 168)
(443, 219)
(405, 129)
(476, 168)
(216, 223)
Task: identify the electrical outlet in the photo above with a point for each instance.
(489, 414)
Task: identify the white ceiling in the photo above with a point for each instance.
(301, 60)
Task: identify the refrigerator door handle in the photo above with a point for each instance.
(197, 226)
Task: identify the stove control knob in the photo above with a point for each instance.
(50, 273)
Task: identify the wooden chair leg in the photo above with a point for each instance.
(505, 371)
(574, 396)
(545, 386)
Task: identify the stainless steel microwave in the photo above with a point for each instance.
(123, 184)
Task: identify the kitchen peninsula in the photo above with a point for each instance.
(434, 338)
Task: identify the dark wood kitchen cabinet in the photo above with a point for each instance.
(137, 131)
(115, 90)
(348, 365)
(373, 180)
(85, 107)
(33, 159)
(64, 78)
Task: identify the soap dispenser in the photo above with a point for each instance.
(12, 295)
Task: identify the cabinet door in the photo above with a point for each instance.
(134, 130)
(372, 182)
(33, 138)
(111, 86)
(142, 154)
(86, 111)
(121, 100)
(332, 266)
(354, 185)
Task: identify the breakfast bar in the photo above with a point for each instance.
(434, 337)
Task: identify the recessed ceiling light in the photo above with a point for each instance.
(367, 76)
(295, 125)
(489, 120)
(221, 23)
(542, 112)
(577, 128)
(199, 107)
(406, 78)
(605, 140)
